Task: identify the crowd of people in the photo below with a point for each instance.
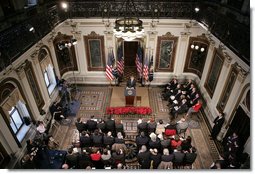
(232, 157)
(160, 145)
(182, 98)
(102, 145)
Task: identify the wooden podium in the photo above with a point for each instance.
(130, 96)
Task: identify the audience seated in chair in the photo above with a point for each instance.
(182, 126)
(194, 109)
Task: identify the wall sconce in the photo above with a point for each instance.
(67, 44)
(197, 47)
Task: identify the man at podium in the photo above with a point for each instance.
(130, 92)
(131, 83)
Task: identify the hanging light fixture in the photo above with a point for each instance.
(128, 27)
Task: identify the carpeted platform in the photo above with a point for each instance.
(118, 98)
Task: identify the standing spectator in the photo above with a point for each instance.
(120, 144)
(80, 126)
(221, 163)
(218, 122)
(84, 159)
(143, 158)
(232, 144)
(166, 160)
(154, 141)
(72, 159)
(152, 125)
(178, 157)
(119, 127)
(108, 140)
(40, 127)
(155, 158)
(119, 139)
(160, 127)
(110, 125)
(170, 129)
(142, 126)
(119, 157)
(95, 157)
(85, 140)
(190, 157)
(27, 162)
(101, 126)
(141, 140)
(91, 124)
(164, 141)
(176, 142)
(186, 146)
(107, 158)
(97, 139)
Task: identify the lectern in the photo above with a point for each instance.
(130, 96)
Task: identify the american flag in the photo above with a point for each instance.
(138, 60)
(109, 65)
(146, 69)
(120, 63)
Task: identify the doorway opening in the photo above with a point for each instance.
(241, 126)
(130, 50)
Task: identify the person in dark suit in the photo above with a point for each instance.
(218, 122)
(80, 126)
(116, 75)
(131, 83)
(143, 158)
(91, 124)
(190, 158)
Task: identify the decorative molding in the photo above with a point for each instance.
(93, 34)
(34, 54)
(185, 35)
(77, 34)
(228, 59)
(52, 36)
(152, 35)
(20, 70)
(168, 35)
(242, 74)
(108, 34)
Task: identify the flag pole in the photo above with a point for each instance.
(109, 52)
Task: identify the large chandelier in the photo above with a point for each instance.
(128, 27)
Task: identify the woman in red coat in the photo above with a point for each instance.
(194, 108)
